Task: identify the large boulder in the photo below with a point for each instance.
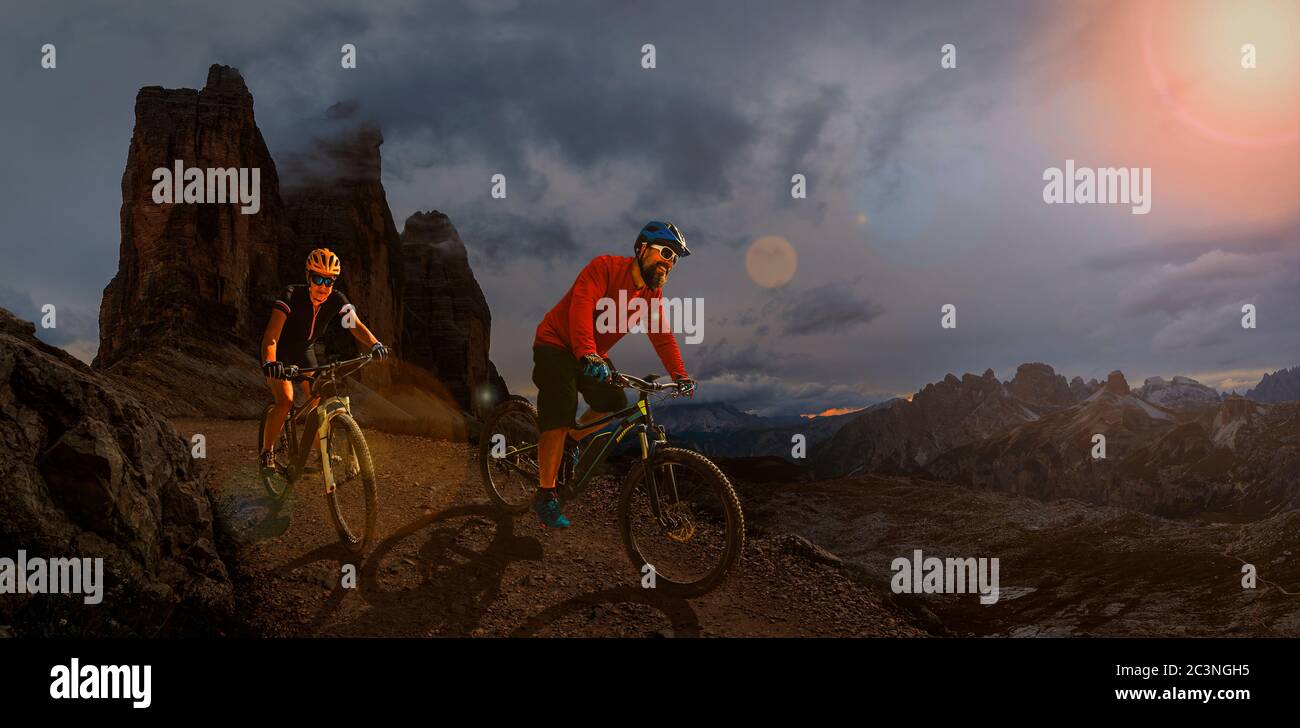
(181, 321)
(447, 324)
(89, 472)
(201, 271)
(335, 199)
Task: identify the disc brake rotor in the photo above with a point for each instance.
(684, 528)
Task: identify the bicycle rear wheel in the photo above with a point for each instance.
(350, 483)
(508, 454)
(702, 532)
(275, 481)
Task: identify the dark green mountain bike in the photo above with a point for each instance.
(680, 519)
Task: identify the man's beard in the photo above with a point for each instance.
(653, 277)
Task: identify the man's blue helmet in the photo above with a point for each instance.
(662, 233)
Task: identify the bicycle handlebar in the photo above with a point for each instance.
(627, 380)
(294, 373)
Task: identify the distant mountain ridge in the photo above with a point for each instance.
(1282, 385)
(1172, 447)
(1180, 393)
(903, 437)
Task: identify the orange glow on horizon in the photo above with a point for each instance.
(834, 411)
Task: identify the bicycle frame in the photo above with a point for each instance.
(638, 418)
(316, 419)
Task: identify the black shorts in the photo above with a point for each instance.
(558, 377)
(305, 359)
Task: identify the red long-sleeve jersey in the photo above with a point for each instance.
(571, 323)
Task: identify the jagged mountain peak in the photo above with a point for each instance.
(225, 80)
(1282, 385)
(1116, 383)
(1038, 384)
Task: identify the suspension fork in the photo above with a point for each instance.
(322, 445)
(648, 448)
(325, 414)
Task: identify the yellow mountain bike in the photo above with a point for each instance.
(327, 425)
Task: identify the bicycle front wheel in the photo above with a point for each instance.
(689, 547)
(350, 483)
(275, 481)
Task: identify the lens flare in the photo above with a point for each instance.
(1191, 54)
(771, 261)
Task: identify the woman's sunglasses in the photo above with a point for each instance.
(665, 252)
(322, 281)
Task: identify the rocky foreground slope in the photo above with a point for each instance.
(1066, 568)
(87, 471)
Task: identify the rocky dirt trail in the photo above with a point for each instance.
(446, 563)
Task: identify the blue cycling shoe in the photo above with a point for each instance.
(547, 507)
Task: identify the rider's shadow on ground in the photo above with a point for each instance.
(247, 513)
(462, 564)
(460, 577)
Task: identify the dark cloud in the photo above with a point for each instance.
(1184, 249)
(495, 237)
(553, 96)
(828, 310)
(722, 358)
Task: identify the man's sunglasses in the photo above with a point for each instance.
(668, 254)
(322, 281)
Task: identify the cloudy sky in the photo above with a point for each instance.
(924, 184)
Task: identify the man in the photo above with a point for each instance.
(570, 355)
(298, 317)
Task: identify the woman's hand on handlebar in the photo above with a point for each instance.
(273, 369)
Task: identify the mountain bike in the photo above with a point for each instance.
(679, 517)
(346, 470)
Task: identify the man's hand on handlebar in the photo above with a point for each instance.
(685, 386)
(273, 369)
(595, 367)
(379, 351)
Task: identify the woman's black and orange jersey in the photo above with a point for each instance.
(303, 324)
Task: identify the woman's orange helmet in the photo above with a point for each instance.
(323, 262)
